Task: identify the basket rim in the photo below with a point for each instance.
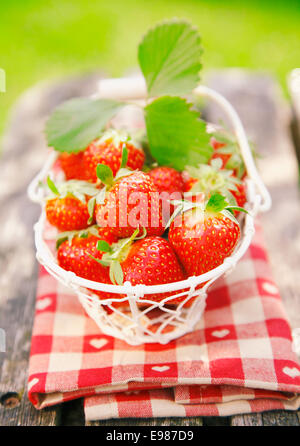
(47, 259)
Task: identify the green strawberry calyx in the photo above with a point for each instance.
(117, 137)
(69, 235)
(215, 204)
(211, 178)
(105, 174)
(115, 254)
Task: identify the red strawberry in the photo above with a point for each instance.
(67, 213)
(131, 202)
(149, 261)
(230, 155)
(108, 150)
(72, 165)
(188, 181)
(204, 236)
(167, 179)
(74, 255)
(240, 195)
(170, 185)
(69, 210)
(78, 255)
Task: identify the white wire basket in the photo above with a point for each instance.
(137, 319)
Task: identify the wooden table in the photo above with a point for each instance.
(267, 118)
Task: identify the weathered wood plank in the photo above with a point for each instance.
(194, 421)
(24, 152)
(266, 118)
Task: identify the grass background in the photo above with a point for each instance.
(47, 39)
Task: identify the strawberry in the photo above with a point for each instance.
(204, 235)
(67, 213)
(188, 181)
(72, 165)
(74, 253)
(240, 195)
(167, 179)
(228, 151)
(170, 185)
(68, 208)
(108, 150)
(77, 252)
(214, 178)
(148, 261)
(132, 201)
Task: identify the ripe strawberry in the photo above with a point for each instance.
(148, 261)
(69, 208)
(203, 236)
(188, 181)
(67, 213)
(170, 185)
(230, 155)
(240, 195)
(167, 179)
(131, 202)
(72, 165)
(78, 255)
(108, 150)
(74, 255)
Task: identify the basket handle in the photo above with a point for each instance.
(134, 88)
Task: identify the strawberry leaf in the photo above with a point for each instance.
(102, 245)
(177, 137)
(169, 57)
(52, 186)
(124, 156)
(77, 122)
(216, 203)
(105, 174)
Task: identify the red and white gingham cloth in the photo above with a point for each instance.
(238, 360)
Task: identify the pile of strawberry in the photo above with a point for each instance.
(111, 216)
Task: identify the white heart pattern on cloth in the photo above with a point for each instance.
(291, 372)
(160, 368)
(98, 343)
(43, 303)
(32, 383)
(220, 333)
(270, 288)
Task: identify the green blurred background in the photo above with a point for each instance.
(47, 39)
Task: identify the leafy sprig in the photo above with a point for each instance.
(170, 59)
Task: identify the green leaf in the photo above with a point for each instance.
(77, 122)
(177, 137)
(169, 57)
(216, 203)
(124, 156)
(105, 174)
(102, 245)
(52, 186)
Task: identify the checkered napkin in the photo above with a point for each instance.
(238, 360)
